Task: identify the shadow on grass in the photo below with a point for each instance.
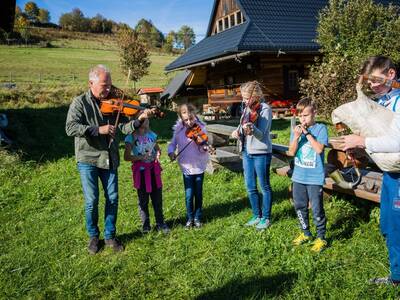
(253, 288)
(125, 238)
(344, 225)
(39, 133)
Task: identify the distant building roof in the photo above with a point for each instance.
(150, 90)
(274, 26)
(176, 83)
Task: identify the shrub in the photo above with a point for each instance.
(348, 33)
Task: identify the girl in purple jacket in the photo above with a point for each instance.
(192, 160)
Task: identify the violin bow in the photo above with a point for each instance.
(116, 120)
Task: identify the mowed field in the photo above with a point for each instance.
(43, 239)
(70, 66)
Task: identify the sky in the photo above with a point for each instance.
(166, 15)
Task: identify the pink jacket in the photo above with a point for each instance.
(148, 168)
(193, 160)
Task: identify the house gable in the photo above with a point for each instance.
(226, 14)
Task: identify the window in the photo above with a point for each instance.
(293, 80)
(220, 28)
(226, 23)
(238, 17)
(232, 19)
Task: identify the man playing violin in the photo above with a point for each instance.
(97, 154)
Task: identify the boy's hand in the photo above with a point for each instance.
(298, 130)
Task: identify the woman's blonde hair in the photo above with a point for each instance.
(251, 89)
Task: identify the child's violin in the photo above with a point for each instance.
(197, 135)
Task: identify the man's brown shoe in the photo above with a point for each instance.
(93, 246)
(115, 245)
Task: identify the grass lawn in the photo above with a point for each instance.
(43, 239)
(70, 66)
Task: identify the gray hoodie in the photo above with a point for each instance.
(260, 141)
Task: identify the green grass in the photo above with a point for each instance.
(43, 239)
(70, 66)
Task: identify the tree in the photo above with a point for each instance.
(44, 16)
(348, 33)
(170, 41)
(149, 34)
(134, 55)
(186, 37)
(21, 26)
(74, 21)
(32, 11)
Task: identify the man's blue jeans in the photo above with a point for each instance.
(193, 189)
(257, 166)
(90, 184)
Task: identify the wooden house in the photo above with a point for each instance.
(272, 41)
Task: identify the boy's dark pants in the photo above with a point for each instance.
(302, 193)
(156, 199)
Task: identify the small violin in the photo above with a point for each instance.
(197, 135)
(127, 108)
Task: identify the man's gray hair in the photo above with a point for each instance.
(95, 72)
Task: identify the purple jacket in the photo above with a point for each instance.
(193, 160)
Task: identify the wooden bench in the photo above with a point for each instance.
(368, 189)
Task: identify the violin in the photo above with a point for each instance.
(128, 108)
(197, 135)
(251, 114)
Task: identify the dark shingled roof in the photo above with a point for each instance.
(270, 26)
(288, 25)
(177, 82)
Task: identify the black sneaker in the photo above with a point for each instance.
(146, 229)
(189, 224)
(384, 281)
(115, 245)
(163, 227)
(93, 246)
(197, 223)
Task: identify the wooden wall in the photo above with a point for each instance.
(272, 72)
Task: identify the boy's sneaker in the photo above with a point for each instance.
(197, 223)
(253, 221)
(115, 245)
(319, 245)
(189, 224)
(301, 239)
(263, 224)
(384, 281)
(163, 227)
(93, 246)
